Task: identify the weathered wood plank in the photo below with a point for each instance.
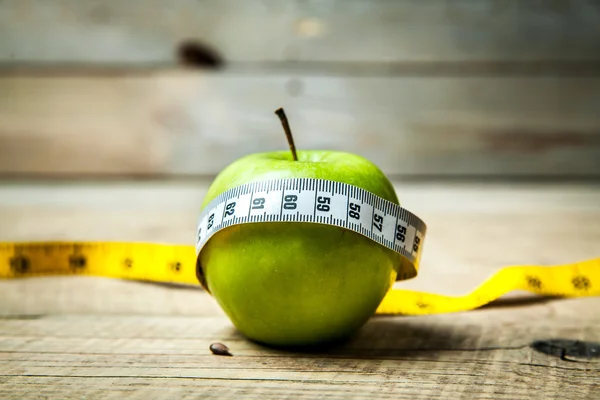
(178, 122)
(147, 32)
(485, 354)
(488, 384)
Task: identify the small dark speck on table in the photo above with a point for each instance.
(220, 349)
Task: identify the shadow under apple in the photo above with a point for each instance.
(389, 337)
(395, 336)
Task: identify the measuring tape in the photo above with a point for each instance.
(323, 202)
(294, 200)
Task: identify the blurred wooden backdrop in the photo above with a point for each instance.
(481, 88)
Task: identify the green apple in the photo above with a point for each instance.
(298, 283)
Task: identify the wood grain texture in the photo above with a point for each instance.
(147, 32)
(482, 354)
(75, 337)
(177, 122)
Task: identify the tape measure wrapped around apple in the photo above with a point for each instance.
(300, 248)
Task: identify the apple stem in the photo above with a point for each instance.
(288, 132)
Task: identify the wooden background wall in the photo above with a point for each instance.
(487, 88)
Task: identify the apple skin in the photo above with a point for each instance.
(291, 283)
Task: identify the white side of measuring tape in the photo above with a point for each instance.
(317, 201)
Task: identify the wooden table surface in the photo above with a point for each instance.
(93, 338)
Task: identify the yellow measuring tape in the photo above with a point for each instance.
(171, 263)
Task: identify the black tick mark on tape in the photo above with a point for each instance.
(77, 262)
(176, 266)
(534, 282)
(581, 283)
(20, 264)
(568, 350)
